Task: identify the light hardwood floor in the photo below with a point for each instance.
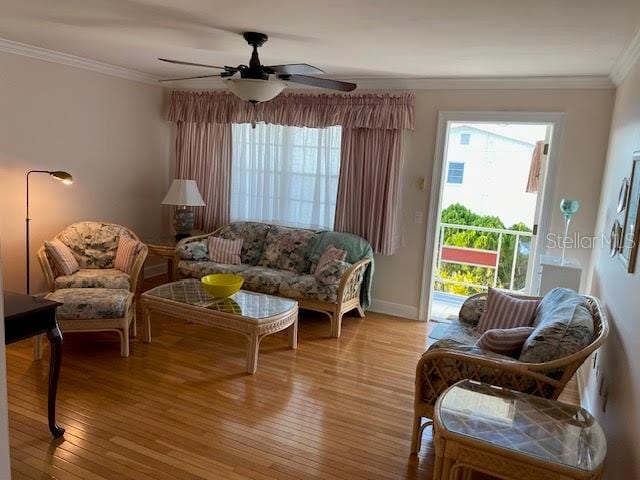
(183, 408)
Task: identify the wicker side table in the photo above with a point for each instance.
(165, 247)
(513, 435)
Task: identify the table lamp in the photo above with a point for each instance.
(65, 178)
(184, 194)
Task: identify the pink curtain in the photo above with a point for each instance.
(203, 154)
(369, 194)
(297, 110)
(371, 158)
(536, 166)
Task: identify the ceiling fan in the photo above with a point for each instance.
(256, 83)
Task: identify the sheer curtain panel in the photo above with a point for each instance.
(285, 175)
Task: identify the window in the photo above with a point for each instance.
(456, 173)
(285, 175)
(465, 138)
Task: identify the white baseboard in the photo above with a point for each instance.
(155, 270)
(395, 309)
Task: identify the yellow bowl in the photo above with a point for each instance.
(221, 285)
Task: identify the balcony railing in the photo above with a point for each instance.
(481, 258)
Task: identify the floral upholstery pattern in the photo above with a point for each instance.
(197, 251)
(93, 244)
(94, 278)
(307, 286)
(253, 235)
(356, 247)
(472, 309)
(332, 273)
(461, 333)
(287, 249)
(264, 280)
(563, 326)
(193, 269)
(91, 303)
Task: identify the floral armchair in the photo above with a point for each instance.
(97, 297)
(456, 357)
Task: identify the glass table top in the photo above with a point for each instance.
(242, 303)
(552, 431)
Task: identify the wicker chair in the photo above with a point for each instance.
(440, 368)
(96, 275)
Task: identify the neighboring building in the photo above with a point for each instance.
(487, 172)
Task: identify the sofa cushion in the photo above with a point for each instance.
(461, 333)
(307, 286)
(332, 272)
(127, 253)
(263, 279)
(94, 278)
(330, 254)
(287, 249)
(94, 244)
(91, 303)
(505, 311)
(505, 341)
(62, 256)
(224, 250)
(197, 251)
(563, 326)
(193, 269)
(253, 235)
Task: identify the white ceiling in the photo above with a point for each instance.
(346, 38)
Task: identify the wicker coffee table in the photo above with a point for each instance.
(254, 315)
(513, 435)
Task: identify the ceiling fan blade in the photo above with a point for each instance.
(319, 82)
(294, 69)
(189, 78)
(179, 62)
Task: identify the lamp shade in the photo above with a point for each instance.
(255, 90)
(184, 193)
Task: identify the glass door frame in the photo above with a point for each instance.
(553, 119)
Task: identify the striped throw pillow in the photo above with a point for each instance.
(226, 251)
(330, 255)
(126, 254)
(506, 341)
(505, 311)
(62, 256)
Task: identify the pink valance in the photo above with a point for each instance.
(377, 111)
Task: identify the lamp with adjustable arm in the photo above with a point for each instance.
(65, 178)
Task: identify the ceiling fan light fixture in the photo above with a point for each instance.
(255, 90)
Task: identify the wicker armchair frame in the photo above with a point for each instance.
(546, 379)
(125, 327)
(348, 295)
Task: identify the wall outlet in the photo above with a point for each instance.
(418, 218)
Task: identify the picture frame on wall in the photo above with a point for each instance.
(631, 226)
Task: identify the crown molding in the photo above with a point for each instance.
(626, 61)
(479, 83)
(17, 48)
(438, 83)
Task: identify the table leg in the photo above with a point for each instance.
(146, 338)
(293, 335)
(252, 353)
(55, 339)
(170, 272)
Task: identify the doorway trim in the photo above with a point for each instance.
(555, 119)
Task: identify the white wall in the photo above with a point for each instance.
(397, 281)
(108, 132)
(619, 358)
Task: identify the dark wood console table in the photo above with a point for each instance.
(26, 316)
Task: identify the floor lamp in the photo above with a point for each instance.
(65, 178)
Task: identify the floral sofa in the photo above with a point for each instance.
(281, 261)
(558, 345)
(97, 297)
